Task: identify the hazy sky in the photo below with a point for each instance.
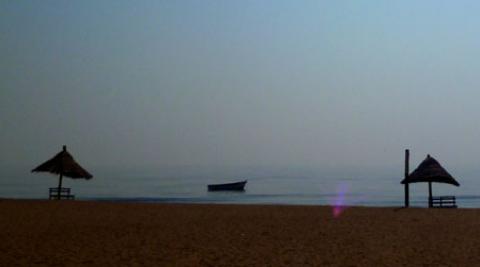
(233, 83)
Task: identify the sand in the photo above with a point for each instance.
(81, 233)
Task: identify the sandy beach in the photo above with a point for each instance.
(80, 233)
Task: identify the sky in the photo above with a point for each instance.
(320, 84)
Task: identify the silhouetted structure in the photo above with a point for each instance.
(238, 186)
(63, 164)
(430, 171)
(407, 192)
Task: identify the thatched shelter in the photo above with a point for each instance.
(63, 164)
(429, 171)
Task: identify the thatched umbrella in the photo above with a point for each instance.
(430, 171)
(63, 164)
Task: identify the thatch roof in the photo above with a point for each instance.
(63, 163)
(430, 171)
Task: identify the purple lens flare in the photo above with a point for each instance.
(338, 202)
(341, 201)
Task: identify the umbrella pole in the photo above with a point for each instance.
(59, 186)
(430, 195)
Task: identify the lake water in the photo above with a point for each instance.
(287, 186)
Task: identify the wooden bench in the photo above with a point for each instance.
(443, 202)
(64, 193)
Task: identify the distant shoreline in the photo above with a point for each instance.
(203, 201)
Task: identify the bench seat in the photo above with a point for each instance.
(443, 202)
(64, 193)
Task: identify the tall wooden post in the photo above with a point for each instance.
(61, 175)
(407, 193)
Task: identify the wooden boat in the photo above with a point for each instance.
(237, 186)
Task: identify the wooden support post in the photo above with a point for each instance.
(59, 186)
(430, 204)
(64, 148)
(407, 193)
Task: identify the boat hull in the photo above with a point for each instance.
(238, 186)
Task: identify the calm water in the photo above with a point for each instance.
(288, 186)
